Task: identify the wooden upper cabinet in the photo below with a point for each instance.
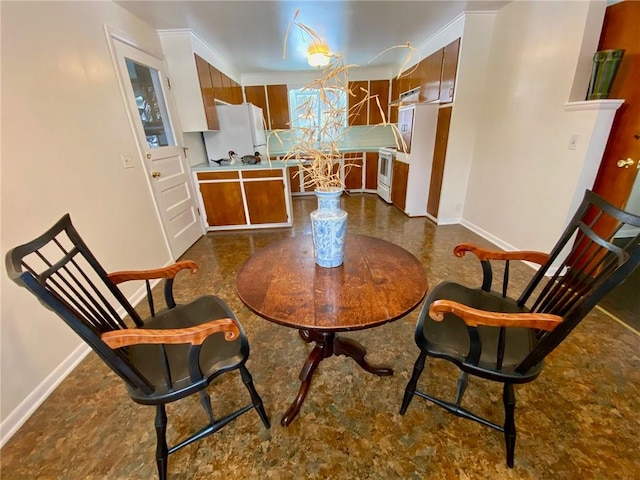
(274, 102)
(237, 92)
(218, 85)
(422, 74)
(395, 95)
(227, 95)
(414, 77)
(449, 69)
(431, 73)
(278, 99)
(367, 112)
(404, 82)
(378, 89)
(257, 95)
(216, 81)
(358, 114)
(208, 98)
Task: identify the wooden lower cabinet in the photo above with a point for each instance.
(399, 184)
(266, 195)
(266, 202)
(223, 204)
(251, 198)
(371, 171)
(294, 179)
(353, 173)
(358, 170)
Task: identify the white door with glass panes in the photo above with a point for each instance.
(144, 81)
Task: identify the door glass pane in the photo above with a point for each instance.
(147, 89)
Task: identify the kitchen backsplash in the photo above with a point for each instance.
(358, 137)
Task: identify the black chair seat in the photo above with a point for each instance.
(450, 338)
(216, 356)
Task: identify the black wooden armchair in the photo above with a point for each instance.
(176, 352)
(490, 335)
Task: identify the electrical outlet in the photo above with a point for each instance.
(127, 161)
(573, 141)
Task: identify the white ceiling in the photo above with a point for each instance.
(250, 34)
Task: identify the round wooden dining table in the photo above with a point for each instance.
(378, 282)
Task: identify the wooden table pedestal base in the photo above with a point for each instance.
(327, 344)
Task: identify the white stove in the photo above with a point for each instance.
(385, 171)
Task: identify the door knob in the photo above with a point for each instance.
(148, 155)
(155, 174)
(625, 163)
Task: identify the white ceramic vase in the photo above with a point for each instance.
(329, 229)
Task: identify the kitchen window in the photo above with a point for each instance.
(318, 114)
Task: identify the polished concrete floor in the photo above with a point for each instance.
(578, 420)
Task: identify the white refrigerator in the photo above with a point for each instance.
(241, 130)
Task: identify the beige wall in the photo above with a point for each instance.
(523, 178)
(64, 127)
(475, 47)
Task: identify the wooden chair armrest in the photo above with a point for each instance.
(474, 317)
(193, 335)
(166, 272)
(483, 254)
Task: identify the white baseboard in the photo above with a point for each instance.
(22, 412)
(502, 244)
(486, 235)
(448, 221)
(29, 405)
(628, 231)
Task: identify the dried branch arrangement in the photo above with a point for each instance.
(316, 143)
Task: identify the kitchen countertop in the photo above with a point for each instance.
(273, 164)
(205, 167)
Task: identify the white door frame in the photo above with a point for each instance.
(116, 36)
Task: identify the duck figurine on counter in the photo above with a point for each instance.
(234, 159)
(220, 161)
(252, 159)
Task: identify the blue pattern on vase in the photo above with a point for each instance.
(329, 229)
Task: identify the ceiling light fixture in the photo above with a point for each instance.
(318, 55)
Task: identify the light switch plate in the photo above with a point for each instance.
(127, 161)
(573, 141)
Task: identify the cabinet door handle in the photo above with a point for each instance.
(155, 174)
